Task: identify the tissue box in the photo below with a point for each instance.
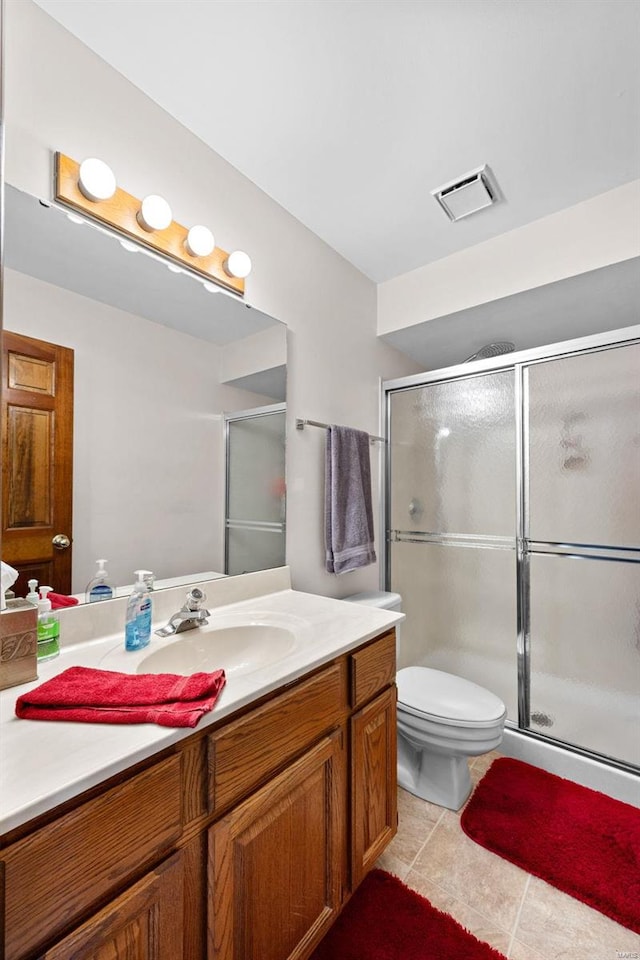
(18, 644)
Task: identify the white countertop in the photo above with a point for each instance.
(42, 764)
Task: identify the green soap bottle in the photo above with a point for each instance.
(48, 628)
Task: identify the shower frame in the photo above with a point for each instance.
(259, 526)
(517, 361)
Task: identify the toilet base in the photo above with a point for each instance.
(437, 777)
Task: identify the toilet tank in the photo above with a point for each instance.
(382, 599)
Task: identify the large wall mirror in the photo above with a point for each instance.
(151, 378)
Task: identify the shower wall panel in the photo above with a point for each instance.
(583, 549)
(585, 653)
(460, 604)
(584, 460)
(453, 515)
(453, 457)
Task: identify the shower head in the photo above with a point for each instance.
(492, 350)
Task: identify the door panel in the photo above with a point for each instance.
(255, 521)
(374, 814)
(37, 458)
(453, 464)
(460, 604)
(585, 653)
(273, 896)
(145, 923)
(584, 458)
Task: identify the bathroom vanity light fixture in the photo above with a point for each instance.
(96, 180)
(238, 264)
(200, 242)
(154, 213)
(85, 188)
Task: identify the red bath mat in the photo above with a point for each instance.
(385, 920)
(576, 839)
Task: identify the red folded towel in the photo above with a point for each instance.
(59, 600)
(105, 696)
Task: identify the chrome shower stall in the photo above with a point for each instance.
(255, 500)
(513, 534)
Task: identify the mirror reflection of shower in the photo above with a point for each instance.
(255, 515)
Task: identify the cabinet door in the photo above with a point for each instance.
(145, 923)
(374, 812)
(276, 862)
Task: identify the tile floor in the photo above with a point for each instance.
(523, 917)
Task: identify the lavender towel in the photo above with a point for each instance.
(348, 512)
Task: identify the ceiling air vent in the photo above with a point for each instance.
(468, 194)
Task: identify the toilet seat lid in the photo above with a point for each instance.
(438, 694)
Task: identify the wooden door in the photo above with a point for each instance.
(144, 923)
(276, 862)
(374, 802)
(37, 460)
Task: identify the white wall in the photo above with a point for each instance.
(60, 96)
(149, 463)
(262, 351)
(592, 234)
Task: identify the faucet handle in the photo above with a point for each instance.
(195, 598)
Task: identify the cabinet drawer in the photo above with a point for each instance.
(244, 753)
(372, 669)
(57, 873)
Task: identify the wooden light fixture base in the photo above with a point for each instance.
(120, 213)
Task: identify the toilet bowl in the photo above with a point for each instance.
(442, 721)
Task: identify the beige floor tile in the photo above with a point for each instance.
(562, 928)
(491, 885)
(484, 762)
(409, 805)
(392, 864)
(409, 840)
(520, 951)
(477, 924)
(416, 820)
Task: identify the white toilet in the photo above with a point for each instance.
(442, 720)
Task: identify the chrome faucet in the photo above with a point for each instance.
(190, 615)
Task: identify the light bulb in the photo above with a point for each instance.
(175, 269)
(200, 242)
(96, 180)
(154, 213)
(210, 287)
(129, 246)
(238, 264)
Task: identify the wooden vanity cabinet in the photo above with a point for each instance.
(144, 923)
(243, 842)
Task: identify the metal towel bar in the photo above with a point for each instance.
(302, 423)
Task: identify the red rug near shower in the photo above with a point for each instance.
(385, 920)
(578, 840)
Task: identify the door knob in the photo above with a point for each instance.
(61, 541)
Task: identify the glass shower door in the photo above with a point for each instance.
(256, 503)
(452, 523)
(583, 549)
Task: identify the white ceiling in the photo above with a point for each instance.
(349, 112)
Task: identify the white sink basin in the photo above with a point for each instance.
(237, 649)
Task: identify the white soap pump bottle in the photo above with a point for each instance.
(99, 587)
(33, 596)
